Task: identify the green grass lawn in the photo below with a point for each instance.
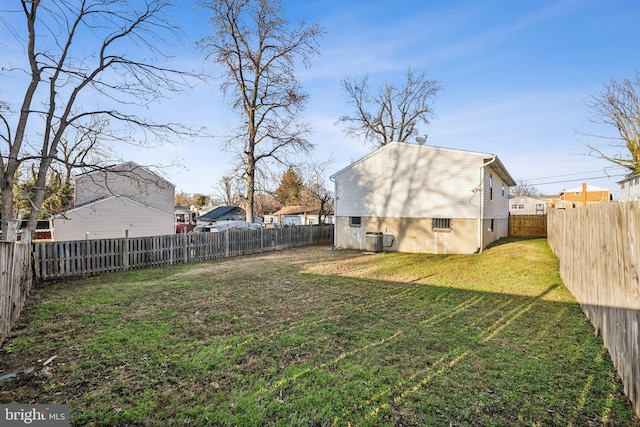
(318, 337)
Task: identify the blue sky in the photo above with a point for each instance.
(515, 76)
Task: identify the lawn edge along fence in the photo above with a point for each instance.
(599, 252)
(54, 260)
(16, 280)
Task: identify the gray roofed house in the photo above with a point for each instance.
(225, 213)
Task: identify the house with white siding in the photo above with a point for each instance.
(525, 205)
(423, 199)
(298, 215)
(630, 188)
(124, 199)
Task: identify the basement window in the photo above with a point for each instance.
(441, 224)
(355, 221)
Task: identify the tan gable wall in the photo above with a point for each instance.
(129, 180)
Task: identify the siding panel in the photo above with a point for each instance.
(110, 218)
(128, 180)
(496, 205)
(411, 181)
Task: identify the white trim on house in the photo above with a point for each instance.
(116, 196)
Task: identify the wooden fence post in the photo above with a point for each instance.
(226, 243)
(125, 252)
(185, 248)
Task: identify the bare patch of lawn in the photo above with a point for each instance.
(318, 337)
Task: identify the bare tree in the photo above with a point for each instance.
(315, 175)
(524, 189)
(618, 105)
(84, 59)
(258, 51)
(82, 148)
(389, 113)
(229, 190)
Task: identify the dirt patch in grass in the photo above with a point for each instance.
(319, 337)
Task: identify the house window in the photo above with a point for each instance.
(502, 190)
(441, 223)
(578, 193)
(355, 221)
(622, 184)
(635, 181)
(520, 206)
(514, 206)
(491, 225)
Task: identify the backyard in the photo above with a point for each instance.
(313, 336)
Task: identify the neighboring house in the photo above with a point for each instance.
(225, 213)
(126, 179)
(185, 218)
(550, 199)
(124, 199)
(297, 215)
(423, 199)
(585, 195)
(630, 188)
(527, 206)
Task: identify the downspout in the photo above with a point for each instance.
(481, 203)
(335, 209)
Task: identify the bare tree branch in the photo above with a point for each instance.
(258, 51)
(80, 51)
(390, 113)
(524, 189)
(618, 106)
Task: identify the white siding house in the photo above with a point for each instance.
(630, 188)
(297, 215)
(126, 179)
(122, 199)
(525, 205)
(113, 217)
(423, 198)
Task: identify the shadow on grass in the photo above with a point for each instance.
(274, 342)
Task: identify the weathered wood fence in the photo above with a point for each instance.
(599, 252)
(528, 225)
(53, 260)
(16, 280)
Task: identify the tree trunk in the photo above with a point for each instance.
(251, 182)
(38, 198)
(7, 207)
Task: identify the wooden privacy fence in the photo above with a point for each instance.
(16, 280)
(53, 260)
(599, 252)
(528, 225)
